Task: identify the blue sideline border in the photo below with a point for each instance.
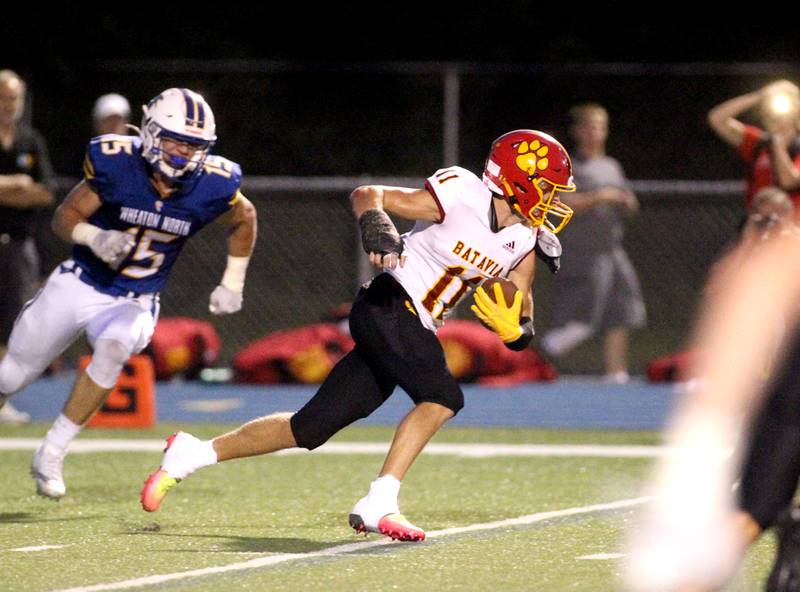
(568, 403)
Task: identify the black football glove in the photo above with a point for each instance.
(378, 233)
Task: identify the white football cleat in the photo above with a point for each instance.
(368, 517)
(46, 469)
(10, 415)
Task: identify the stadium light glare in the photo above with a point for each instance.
(781, 104)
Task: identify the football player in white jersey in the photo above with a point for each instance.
(467, 229)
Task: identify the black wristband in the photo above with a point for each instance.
(378, 233)
(524, 340)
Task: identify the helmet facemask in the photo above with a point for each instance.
(174, 167)
(547, 211)
(550, 212)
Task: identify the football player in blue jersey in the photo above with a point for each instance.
(140, 201)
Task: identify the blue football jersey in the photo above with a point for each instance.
(116, 171)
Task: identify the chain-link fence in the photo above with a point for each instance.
(308, 260)
(279, 118)
(680, 231)
(304, 121)
(673, 243)
(304, 264)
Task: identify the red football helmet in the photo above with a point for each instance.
(528, 168)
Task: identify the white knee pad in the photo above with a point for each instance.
(109, 357)
(15, 374)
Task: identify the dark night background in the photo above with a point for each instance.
(357, 89)
(326, 91)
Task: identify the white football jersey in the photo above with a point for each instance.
(446, 260)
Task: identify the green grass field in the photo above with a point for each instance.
(271, 507)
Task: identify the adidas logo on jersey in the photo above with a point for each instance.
(509, 247)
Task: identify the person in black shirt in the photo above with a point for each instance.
(25, 188)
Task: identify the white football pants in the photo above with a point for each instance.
(56, 316)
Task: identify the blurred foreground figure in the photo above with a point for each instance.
(695, 533)
(140, 200)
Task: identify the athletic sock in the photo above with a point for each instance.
(62, 432)
(206, 454)
(187, 455)
(383, 492)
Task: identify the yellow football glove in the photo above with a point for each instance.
(498, 316)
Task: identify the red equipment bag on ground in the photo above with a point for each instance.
(307, 355)
(671, 368)
(475, 354)
(183, 345)
(302, 355)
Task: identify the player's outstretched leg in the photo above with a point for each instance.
(378, 510)
(47, 466)
(183, 455)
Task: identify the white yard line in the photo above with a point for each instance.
(603, 556)
(212, 405)
(39, 548)
(352, 547)
(464, 450)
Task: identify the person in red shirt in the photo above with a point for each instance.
(772, 151)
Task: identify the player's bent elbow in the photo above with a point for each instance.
(718, 122)
(366, 197)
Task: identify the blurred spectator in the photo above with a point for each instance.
(771, 151)
(111, 114)
(772, 212)
(597, 289)
(25, 187)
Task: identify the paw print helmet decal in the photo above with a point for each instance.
(529, 168)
